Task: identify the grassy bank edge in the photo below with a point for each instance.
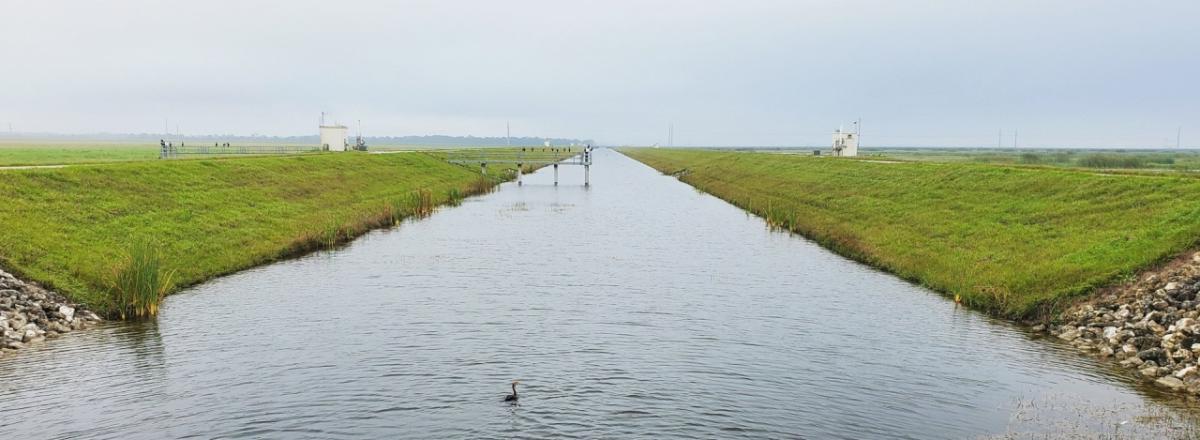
(423, 203)
(1044, 311)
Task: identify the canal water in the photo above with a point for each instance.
(637, 308)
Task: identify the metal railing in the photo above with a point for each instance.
(531, 156)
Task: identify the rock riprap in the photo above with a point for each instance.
(29, 314)
(1151, 325)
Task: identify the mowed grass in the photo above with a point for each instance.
(1019, 242)
(21, 153)
(77, 228)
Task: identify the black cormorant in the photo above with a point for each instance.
(512, 397)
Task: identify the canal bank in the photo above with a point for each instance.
(1021, 243)
(617, 320)
(71, 229)
(879, 214)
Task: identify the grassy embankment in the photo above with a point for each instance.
(1130, 159)
(1018, 242)
(89, 230)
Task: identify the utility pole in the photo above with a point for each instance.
(1014, 138)
(1178, 133)
(507, 134)
(671, 134)
(1000, 138)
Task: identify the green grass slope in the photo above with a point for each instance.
(70, 227)
(1018, 242)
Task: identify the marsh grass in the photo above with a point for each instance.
(454, 197)
(420, 203)
(481, 185)
(1016, 241)
(139, 282)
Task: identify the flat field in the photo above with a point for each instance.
(24, 152)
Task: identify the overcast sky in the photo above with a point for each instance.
(742, 72)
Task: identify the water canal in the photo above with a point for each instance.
(634, 308)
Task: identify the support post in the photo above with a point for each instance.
(555, 174)
(587, 175)
(518, 174)
(483, 168)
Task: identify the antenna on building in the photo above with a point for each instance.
(360, 128)
(322, 118)
(858, 130)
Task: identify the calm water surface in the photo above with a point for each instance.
(636, 308)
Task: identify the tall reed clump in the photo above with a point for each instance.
(482, 185)
(331, 234)
(454, 197)
(139, 282)
(420, 203)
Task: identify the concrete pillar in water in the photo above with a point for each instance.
(587, 175)
(518, 174)
(555, 174)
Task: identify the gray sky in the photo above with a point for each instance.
(742, 72)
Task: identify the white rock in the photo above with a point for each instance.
(1184, 373)
(1149, 372)
(1171, 286)
(1123, 313)
(16, 322)
(67, 311)
(1110, 332)
(1069, 335)
(1171, 383)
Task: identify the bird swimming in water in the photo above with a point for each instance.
(512, 397)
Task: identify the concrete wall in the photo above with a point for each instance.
(333, 137)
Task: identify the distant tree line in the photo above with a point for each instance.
(427, 140)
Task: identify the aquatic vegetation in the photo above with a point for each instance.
(139, 282)
(420, 203)
(454, 197)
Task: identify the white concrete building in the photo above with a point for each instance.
(333, 137)
(845, 143)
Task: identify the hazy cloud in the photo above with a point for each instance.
(1081, 72)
